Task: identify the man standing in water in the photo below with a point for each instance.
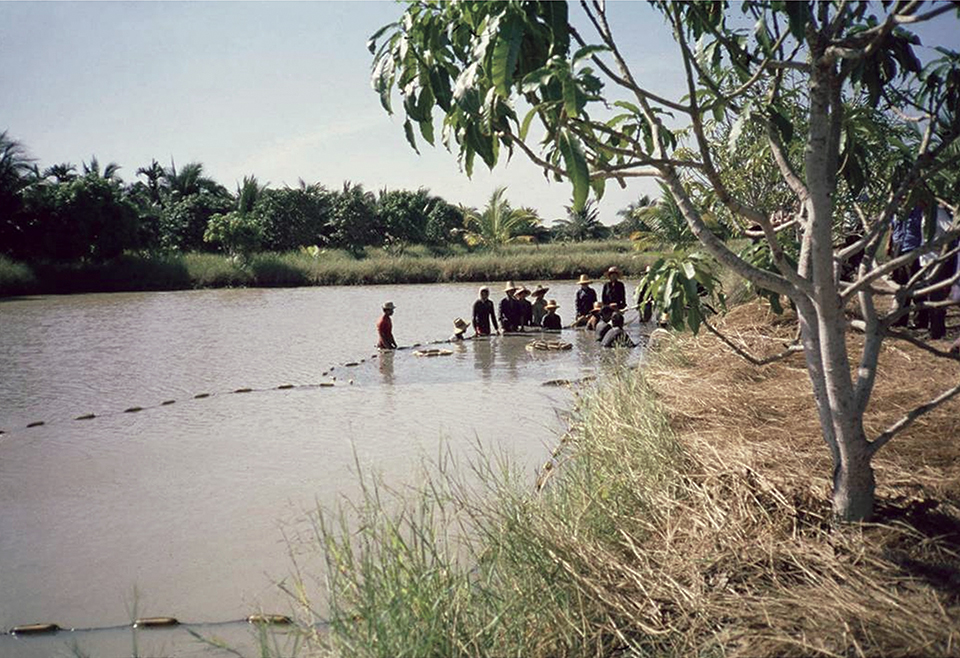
(385, 328)
(484, 314)
(508, 309)
(586, 297)
(613, 290)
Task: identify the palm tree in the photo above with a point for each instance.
(664, 224)
(62, 173)
(110, 172)
(632, 217)
(14, 165)
(582, 224)
(248, 192)
(190, 180)
(498, 224)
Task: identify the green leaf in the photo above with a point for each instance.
(525, 126)
(372, 41)
(570, 97)
(588, 51)
(506, 50)
(799, 14)
(576, 164)
(408, 131)
(535, 79)
(783, 125)
(426, 129)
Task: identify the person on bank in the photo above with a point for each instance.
(508, 309)
(586, 297)
(616, 336)
(524, 308)
(484, 314)
(385, 328)
(459, 328)
(539, 305)
(551, 321)
(613, 291)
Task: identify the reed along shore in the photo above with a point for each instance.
(145, 272)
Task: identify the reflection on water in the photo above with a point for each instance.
(185, 501)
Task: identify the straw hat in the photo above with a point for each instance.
(461, 325)
(584, 279)
(552, 304)
(613, 270)
(510, 286)
(522, 290)
(388, 306)
(539, 291)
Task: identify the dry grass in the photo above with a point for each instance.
(747, 558)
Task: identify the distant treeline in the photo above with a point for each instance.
(89, 213)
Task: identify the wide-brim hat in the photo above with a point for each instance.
(510, 286)
(552, 304)
(461, 325)
(522, 290)
(613, 270)
(540, 290)
(585, 279)
(388, 306)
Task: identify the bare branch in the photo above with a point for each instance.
(780, 356)
(909, 419)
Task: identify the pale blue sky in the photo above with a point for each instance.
(276, 89)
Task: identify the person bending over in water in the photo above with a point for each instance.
(606, 314)
(460, 327)
(551, 321)
(385, 328)
(617, 336)
(484, 314)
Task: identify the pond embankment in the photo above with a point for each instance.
(685, 512)
(135, 272)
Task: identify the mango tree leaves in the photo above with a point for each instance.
(682, 286)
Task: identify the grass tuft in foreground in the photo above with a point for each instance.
(637, 540)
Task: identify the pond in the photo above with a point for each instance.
(182, 509)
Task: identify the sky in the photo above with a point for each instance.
(279, 90)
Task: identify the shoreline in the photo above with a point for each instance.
(685, 512)
(165, 272)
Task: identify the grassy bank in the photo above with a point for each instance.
(133, 272)
(685, 513)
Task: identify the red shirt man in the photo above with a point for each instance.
(385, 328)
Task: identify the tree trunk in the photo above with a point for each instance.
(853, 487)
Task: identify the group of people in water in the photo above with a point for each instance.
(523, 310)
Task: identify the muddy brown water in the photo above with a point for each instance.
(183, 508)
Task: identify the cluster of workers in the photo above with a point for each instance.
(524, 310)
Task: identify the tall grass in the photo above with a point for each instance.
(15, 278)
(416, 264)
(631, 543)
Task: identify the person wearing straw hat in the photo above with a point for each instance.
(613, 290)
(508, 309)
(586, 298)
(551, 321)
(484, 314)
(385, 328)
(524, 308)
(459, 328)
(539, 304)
(594, 318)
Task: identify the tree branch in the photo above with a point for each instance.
(909, 419)
(790, 351)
